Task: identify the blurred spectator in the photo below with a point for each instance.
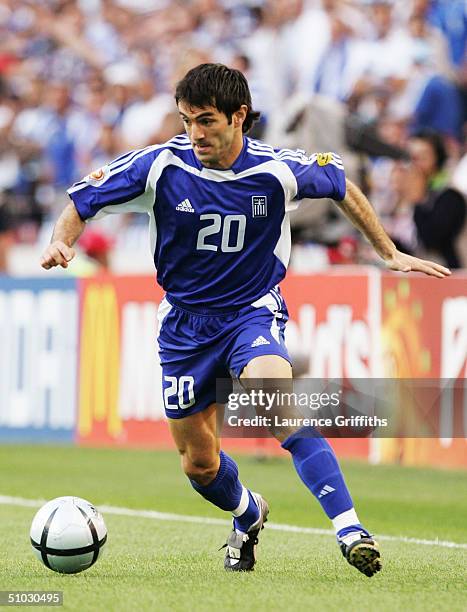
(146, 121)
(59, 142)
(345, 252)
(96, 249)
(389, 47)
(106, 148)
(266, 59)
(440, 210)
(405, 187)
(450, 16)
(258, 96)
(428, 41)
(439, 108)
(341, 59)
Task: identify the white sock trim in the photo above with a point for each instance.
(243, 505)
(346, 519)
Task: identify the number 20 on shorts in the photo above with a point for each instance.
(183, 388)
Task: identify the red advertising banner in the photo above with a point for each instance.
(119, 383)
(348, 323)
(120, 398)
(424, 335)
(333, 331)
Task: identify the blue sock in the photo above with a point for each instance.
(317, 466)
(227, 492)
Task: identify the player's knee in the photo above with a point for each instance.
(201, 467)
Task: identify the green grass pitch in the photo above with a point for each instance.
(176, 566)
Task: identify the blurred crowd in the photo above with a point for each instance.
(82, 81)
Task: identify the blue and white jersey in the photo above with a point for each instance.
(220, 238)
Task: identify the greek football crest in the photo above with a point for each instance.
(259, 205)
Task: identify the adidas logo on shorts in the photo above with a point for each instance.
(260, 340)
(185, 206)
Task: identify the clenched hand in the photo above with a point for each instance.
(57, 254)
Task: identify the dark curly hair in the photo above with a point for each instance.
(217, 85)
(435, 140)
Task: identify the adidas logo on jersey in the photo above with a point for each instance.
(325, 490)
(260, 340)
(185, 206)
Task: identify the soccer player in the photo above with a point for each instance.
(218, 206)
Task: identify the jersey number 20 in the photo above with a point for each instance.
(229, 225)
(182, 387)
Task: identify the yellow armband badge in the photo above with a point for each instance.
(323, 158)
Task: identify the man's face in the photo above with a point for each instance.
(423, 156)
(215, 141)
(382, 18)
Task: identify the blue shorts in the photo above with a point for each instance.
(197, 349)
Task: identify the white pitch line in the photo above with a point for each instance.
(203, 520)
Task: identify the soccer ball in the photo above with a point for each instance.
(68, 534)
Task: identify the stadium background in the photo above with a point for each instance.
(82, 81)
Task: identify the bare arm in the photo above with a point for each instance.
(67, 230)
(359, 211)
